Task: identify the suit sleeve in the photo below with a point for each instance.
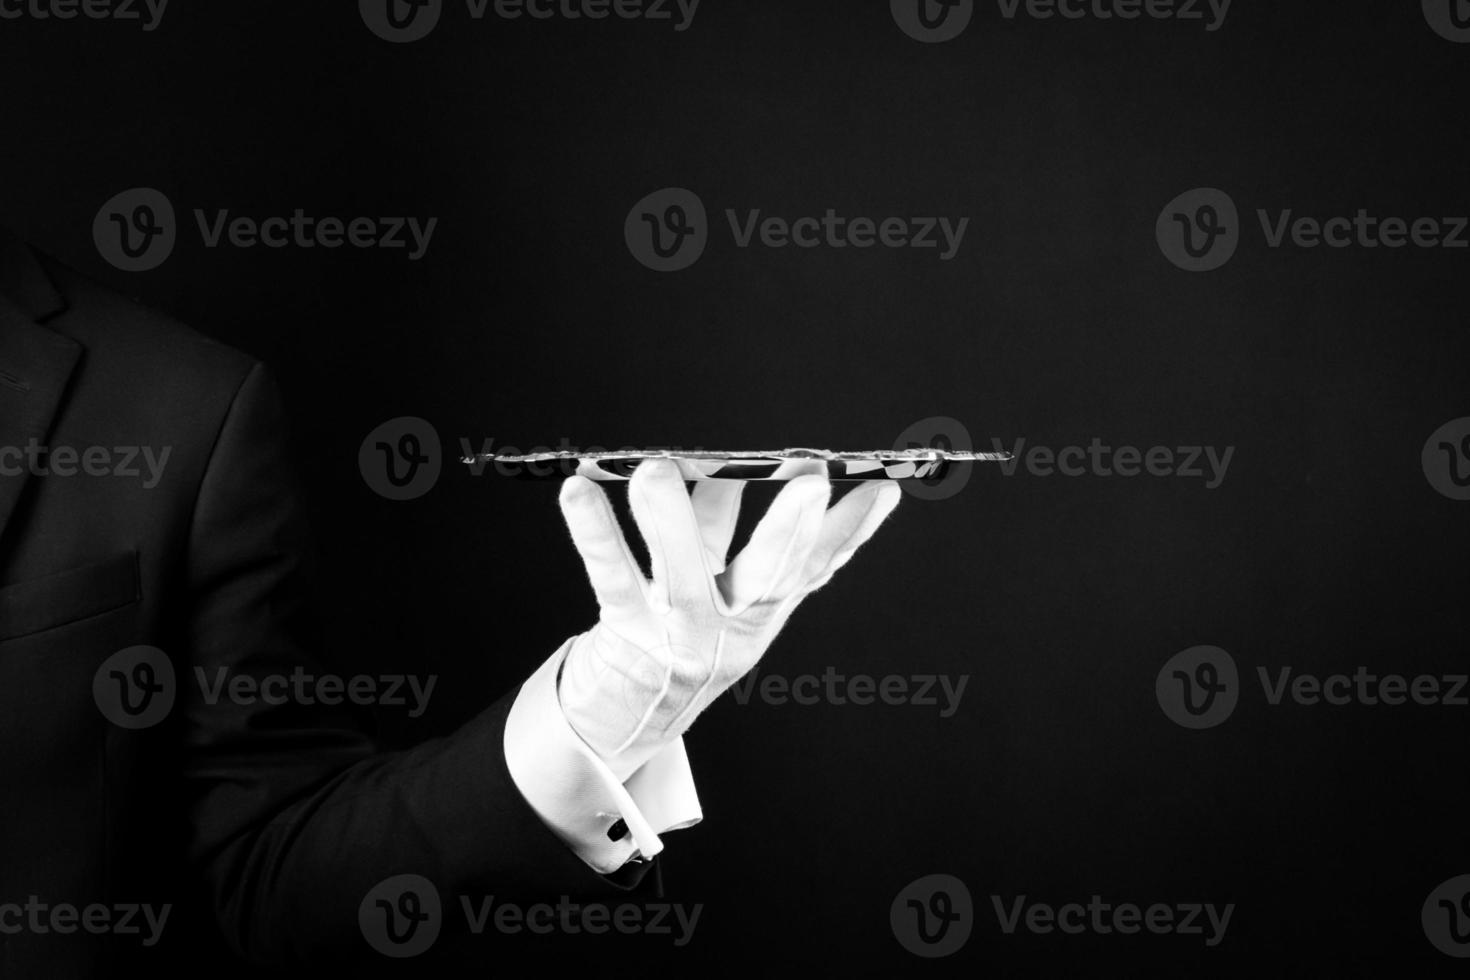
(294, 815)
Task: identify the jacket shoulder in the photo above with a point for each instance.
(149, 350)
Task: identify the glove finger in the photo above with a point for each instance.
(849, 524)
(611, 567)
(769, 568)
(665, 517)
(716, 508)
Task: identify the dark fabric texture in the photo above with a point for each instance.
(264, 826)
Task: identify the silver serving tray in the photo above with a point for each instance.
(776, 464)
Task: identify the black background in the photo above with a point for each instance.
(1059, 321)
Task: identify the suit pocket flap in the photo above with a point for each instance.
(64, 597)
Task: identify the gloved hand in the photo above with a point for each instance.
(662, 650)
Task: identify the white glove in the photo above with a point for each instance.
(662, 650)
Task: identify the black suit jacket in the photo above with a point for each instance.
(267, 824)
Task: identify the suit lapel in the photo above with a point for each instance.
(36, 364)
